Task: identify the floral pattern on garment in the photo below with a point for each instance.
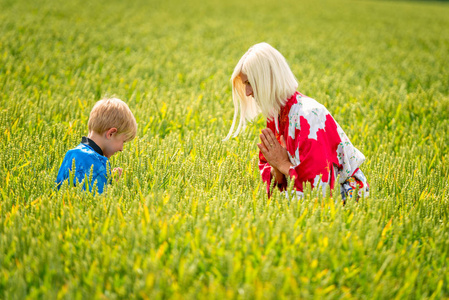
(316, 145)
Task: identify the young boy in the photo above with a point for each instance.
(111, 124)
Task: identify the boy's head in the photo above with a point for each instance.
(112, 120)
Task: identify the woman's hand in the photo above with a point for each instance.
(275, 154)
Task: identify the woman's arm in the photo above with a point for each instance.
(279, 178)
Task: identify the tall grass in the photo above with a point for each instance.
(190, 217)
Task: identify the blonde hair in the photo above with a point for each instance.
(112, 113)
(272, 82)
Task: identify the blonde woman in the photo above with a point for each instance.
(302, 140)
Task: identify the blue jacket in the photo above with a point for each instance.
(85, 158)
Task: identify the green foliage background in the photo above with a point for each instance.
(190, 217)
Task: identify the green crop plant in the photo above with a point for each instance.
(190, 217)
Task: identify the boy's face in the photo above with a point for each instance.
(114, 144)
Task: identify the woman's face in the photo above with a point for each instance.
(248, 87)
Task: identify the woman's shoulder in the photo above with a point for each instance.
(308, 111)
(306, 106)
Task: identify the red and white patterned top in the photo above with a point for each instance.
(316, 145)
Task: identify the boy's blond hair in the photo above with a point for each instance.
(112, 113)
(272, 82)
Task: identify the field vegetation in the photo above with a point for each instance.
(190, 217)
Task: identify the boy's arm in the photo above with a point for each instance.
(66, 171)
(101, 180)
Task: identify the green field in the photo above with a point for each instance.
(190, 218)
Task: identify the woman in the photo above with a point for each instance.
(302, 140)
